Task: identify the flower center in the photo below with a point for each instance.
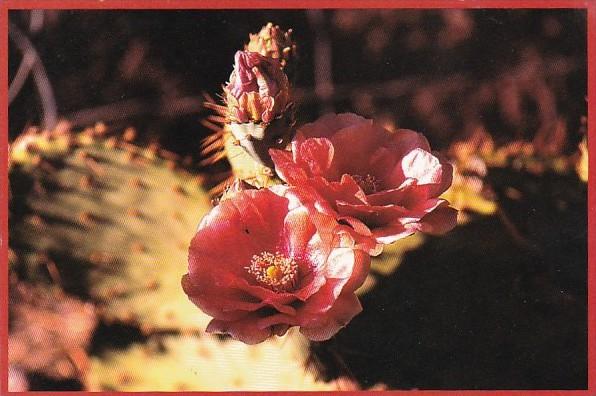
(369, 183)
(274, 270)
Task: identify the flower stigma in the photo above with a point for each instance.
(369, 183)
(274, 270)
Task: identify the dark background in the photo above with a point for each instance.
(442, 72)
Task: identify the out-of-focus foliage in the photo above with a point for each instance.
(474, 156)
(519, 74)
(582, 163)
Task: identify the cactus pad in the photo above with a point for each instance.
(206, 363)
(107, 220)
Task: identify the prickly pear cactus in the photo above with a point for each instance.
(109, 220)
(177, 363)
(249, 123)
(222, 144)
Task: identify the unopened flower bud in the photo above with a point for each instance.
(258, 90)
(273, 42)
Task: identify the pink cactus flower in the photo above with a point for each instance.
(258, 90)
(379, 182)
(261, 263)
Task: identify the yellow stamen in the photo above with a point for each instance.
(369, 183)
(274, 270)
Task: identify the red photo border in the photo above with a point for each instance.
(589, 5)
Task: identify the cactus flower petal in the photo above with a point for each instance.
(382, 183)
(262, 262)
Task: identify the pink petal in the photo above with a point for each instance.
(205, 255)
(422, 166)
(264, 294)
(353, 233)
(391, 233)
(245, 330)
(346, 307)
(346, 270)
(354, 145)
(258, 214)
(439, 221)
(286, 168)
(297, 232)
(375, 216)
(396, 196)
(360, 271)
(328, 124)
(317, 154)
(401, 143)
(219, 305)
(405, 140)
(446, 178)
(380, 165)
(267, 86)
(410, 195)
(276, 320)
(322, 301)
(346, 190)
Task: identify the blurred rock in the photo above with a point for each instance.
(49, 331)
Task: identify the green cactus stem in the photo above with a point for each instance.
(107, 220)
(206, 363)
